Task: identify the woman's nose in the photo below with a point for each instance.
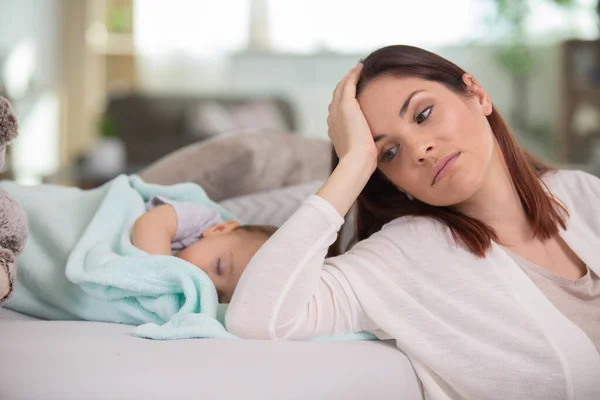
(420, 149)
(424, 151)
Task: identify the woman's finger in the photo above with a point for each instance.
(349, 88)
(338, 92)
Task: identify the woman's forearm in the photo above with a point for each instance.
(288, 278)
(346, 182)
(289, 289)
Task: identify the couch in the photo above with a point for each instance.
(138, 128)
(64, 360)
(152, 126)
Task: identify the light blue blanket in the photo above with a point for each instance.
(79, 263)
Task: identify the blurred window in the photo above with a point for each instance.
(208, 27)
(197, 28)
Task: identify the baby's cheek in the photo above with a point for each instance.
(186, 255)
(193, 257)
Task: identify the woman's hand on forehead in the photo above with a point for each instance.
(348, 128)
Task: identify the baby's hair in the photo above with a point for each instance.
(266, 230)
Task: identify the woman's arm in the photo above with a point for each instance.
(353, 144)
(154, 230)
(289, 290)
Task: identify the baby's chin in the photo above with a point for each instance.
(187, 259)
(183, 255)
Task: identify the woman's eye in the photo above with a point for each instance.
(423, 115)
(390, 154)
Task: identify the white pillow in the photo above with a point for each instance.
(274, 207)
(271, 207)
(228, 166)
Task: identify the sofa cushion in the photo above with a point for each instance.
(271, 207)
(229, 166)
(153, 125)
(211, 118)
(73, 360)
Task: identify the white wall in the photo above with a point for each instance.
(37, 25)
(308, 80)
(40, 22)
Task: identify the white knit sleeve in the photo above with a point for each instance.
(592, 184)
(290, 291)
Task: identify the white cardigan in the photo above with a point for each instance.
(473, 328)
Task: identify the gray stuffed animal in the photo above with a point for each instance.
(13, 223)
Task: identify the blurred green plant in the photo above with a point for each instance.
(119, 19)
(542, 133)
(107, 127)
(515, 55)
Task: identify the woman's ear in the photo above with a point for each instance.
(219, 229)
(475, 90)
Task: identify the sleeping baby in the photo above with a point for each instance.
(196, 233)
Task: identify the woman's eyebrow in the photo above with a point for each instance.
(403, 110)
(407, 103)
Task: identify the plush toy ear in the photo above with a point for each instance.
(8, 122)
(13, 224)
(2, 154)
(7, 275)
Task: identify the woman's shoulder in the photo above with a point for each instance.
(413, 231)
(410, 223)
(578, 191)
(566, 175)
(414, 245)
(572, 182)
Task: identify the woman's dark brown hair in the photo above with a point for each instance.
(380, 201)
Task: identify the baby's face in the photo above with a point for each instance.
(223, 256)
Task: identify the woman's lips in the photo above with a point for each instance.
(443, 166)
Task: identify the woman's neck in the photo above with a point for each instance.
(498, 205)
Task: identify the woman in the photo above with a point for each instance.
(477, 259)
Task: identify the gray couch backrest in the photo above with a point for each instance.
(152, 126)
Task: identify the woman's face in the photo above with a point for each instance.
(433, 144)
